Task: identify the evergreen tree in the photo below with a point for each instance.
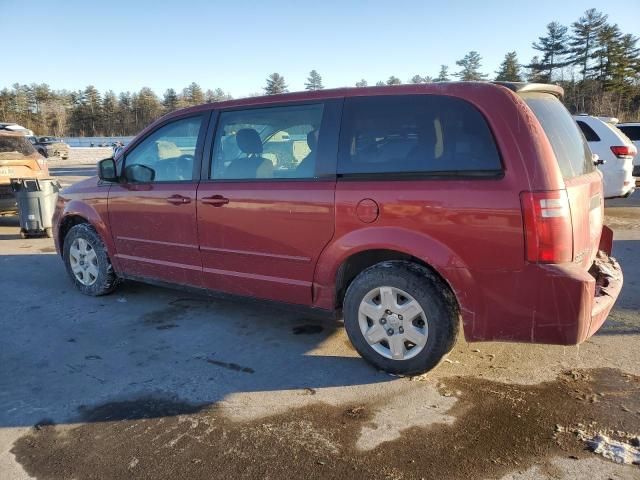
(380, 83)
(109, 113)
(170, 102)
(584, 39)
(536, 74)
(147, 107)
(553, 47)
(630, 58)
(417, 79)
(125, 108)
(92, 109)
(362, 83)
(509, 69)
(393, 80)
(470, 64)
(275, 84)
(314, 81)
(443, 76)
(217, 95)
(193, 95)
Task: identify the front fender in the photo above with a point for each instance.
(434, 253)
(95, 212)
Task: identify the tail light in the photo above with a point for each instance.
(547, 226)
(624, 151)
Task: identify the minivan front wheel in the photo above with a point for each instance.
(87, 262)
(399, 318)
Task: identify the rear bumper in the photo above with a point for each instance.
(551, 304)
(608, 276)
(619, 182)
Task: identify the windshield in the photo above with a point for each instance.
(569, 145)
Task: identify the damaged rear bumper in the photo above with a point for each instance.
(561, 304)
(608, 283)
(581, 300)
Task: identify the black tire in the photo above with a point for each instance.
(428, 290)
(106, 280)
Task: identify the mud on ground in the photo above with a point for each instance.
(498, 428)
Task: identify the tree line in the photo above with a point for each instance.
(596, 63)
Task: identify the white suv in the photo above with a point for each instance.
(632, 130)
(614, 149)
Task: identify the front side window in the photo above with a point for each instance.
(166, 155)
(415, 134)
(265, 143)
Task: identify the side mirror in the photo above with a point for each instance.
(137, 173)
(597, 160)
(107, 170)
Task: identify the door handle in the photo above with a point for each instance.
(216, 200)
(178, 199)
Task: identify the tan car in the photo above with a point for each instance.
(18, 159)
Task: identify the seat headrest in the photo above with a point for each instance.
(312, 139)
(249, 141)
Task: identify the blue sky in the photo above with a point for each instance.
(234, 45)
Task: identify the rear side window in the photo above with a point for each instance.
(569, 145)
(428, 134)
(633, 132)
(266, 143)
(588, 132)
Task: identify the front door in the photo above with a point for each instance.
(152, 212)
(267, 210)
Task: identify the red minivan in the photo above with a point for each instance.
(407, 209)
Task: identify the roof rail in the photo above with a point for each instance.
(521, 87)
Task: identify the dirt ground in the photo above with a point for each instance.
(155, 383)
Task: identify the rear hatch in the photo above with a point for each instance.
(582, 181)
(18, 159)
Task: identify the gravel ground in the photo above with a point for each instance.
(155, 383)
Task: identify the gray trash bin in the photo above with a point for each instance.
(36, 200)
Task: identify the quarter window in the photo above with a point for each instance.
(168, 153)
(264, 143)
(588, 132)
(415, 134)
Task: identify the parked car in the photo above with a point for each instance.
(409, 209)
(18, 159)
(632, 131)
(614, 149)
(50, 147)
(14, 127)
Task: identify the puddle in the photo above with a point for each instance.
(495, 429)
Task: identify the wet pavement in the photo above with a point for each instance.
(155, 383)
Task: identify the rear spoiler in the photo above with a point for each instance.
(522, 87)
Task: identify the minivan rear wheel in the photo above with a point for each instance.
(399, 317)
(87, 262)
